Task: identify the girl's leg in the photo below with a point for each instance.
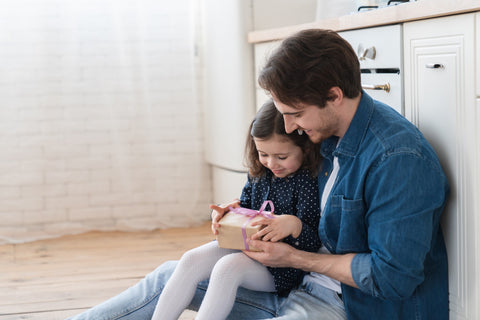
(194, 266)
(229, 273)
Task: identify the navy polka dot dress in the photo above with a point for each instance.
(297, 195)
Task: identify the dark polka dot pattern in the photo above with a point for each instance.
(297, 195)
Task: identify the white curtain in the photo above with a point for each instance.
(100, 120)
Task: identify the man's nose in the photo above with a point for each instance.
(290, 125)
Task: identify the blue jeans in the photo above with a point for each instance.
(310, 301)
(138, 302)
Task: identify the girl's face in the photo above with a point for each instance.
(279, 154)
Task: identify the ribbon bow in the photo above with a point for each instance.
(252, 214)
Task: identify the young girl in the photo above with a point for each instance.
(282, 168)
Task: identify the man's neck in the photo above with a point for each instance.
(349, 108)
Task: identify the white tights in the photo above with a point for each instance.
(227, 269)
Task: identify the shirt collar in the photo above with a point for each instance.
(355, 133)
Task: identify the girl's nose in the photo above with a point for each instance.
(271, 163)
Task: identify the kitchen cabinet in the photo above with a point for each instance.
(440, 99)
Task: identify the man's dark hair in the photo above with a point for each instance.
(307, 65)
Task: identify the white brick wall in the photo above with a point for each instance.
(100, 121)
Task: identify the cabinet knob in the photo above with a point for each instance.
(434, 66)
(364, 53)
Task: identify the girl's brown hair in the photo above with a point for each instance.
(268, 122)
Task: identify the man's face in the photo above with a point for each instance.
(318, 123)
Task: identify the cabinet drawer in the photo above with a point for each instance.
(387, 41)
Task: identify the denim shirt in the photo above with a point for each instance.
(385, 206)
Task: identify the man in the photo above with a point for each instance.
(382, 190)
(381, 213)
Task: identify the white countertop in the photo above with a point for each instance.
(411, 11)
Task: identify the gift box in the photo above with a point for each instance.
(236, 227)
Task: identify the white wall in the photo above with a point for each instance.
(269, 14)
(100, 123)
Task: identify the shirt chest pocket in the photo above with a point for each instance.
(343, 223)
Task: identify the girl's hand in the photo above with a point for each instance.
(278, 228)
(219, 211)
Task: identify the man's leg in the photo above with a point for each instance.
(312, 301)
(138, 302)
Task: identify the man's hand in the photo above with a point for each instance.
(219, 211)
(282, 255)
(272, 254)
(278, 228)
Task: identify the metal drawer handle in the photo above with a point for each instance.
(364, 53)
(434, 66)
(385, 87)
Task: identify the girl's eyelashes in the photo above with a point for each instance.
(262, 155)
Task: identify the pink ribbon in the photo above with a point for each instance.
(252, 214)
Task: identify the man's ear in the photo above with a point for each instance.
(335, 95)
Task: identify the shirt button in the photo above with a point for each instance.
(326, 173)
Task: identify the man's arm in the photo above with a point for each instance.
(280, 254)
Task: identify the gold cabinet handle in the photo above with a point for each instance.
(385, 87)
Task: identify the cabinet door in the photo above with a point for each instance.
(440, 101)
(477, 56)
